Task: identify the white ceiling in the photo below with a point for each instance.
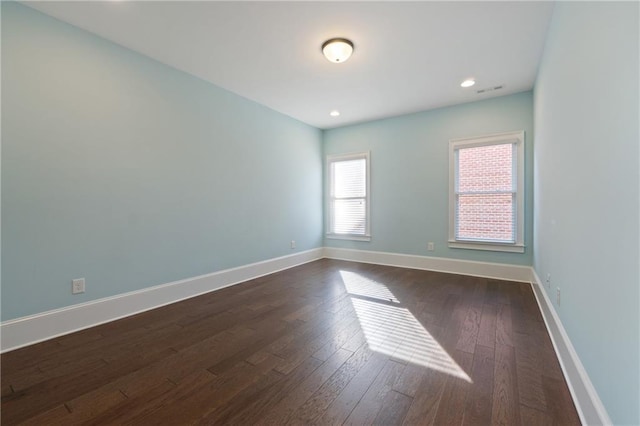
(409, 56)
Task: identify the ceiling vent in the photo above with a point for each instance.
(489, 89)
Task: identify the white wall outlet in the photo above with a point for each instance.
(77, 286)
(548, 280)
(430, 246)
(558, 296)
(293, 244)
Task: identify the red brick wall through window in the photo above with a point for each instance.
(485, 200)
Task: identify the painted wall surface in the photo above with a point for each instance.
(410, 174)
(131, 174)
(587, 191)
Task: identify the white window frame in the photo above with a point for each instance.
(330, 196)
(516, 138)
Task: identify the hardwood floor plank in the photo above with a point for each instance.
(519, 321)
(56, 416)
(257, 340)
(317, 403)
(92, 405)
(454, 395)
(299, 351)
(132, 406)
(480, 398)
(368, 407)
(529, 369)
(409, 381)
(282, 412)
(355, 341)
(6, 389)
(424, 407)
(255, 410)
(487, 331)
(504, 333)
(453, 328)
(338, 411)
(339, 338)
(546, 352)
(198, 402)
(533, 417)
(530, 305)
(27, 378)
(495, 294)
(506, 402)
(559, 405)
(40, 397)
(88, 357)
(393, 409)
(239, 402)
(470, 330)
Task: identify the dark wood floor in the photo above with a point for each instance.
(329, 342)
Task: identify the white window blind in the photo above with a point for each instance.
(349, 195)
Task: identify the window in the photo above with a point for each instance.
(348, 196)
(486, 192)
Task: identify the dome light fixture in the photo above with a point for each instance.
(468, 83)
(337, 50)
(335, 113)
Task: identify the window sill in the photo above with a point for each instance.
(477, 245)
(349, 237)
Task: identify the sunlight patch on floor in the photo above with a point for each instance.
(393, 330)
(361, 286)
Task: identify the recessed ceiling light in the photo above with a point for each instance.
(468, 83)
(334, 113)
(337, 50)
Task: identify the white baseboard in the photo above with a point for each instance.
(439, 264)
(588, 403)
(36, 328)
(47, 325)
(32, 329)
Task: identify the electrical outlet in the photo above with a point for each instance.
(293, 244)
(430, 246)
(77, 286)
(548, 280)
(558, 296)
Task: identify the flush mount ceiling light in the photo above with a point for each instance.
(337, 50)
(468, 83)
(335, 113)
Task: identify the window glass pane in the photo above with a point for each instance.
(349, 216)
(486, 217)
(485, 168)
(350, 178)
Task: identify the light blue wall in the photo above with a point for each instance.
(129, 173)
(586, 191)
(410, 174)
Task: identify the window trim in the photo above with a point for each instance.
(347, 157)
(516, 138)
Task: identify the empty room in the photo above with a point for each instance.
(320, 213)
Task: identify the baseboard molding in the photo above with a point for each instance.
(439, 264)
(32, 329)
(588, 403)
(47, 325)
(36, 328)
